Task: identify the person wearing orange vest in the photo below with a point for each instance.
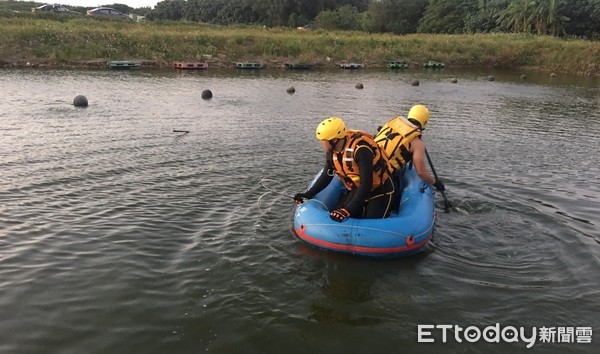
(361, 165)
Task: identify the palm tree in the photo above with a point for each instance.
(545, 18)
(555, 22)
(517, 16)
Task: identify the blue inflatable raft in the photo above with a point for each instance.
(404, 233)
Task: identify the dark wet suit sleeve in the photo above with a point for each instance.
(355, 204)
(323, 180)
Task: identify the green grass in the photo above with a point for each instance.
(71, 40)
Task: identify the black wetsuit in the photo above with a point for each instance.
(360, 202)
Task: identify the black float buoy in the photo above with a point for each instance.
(491, 78)
(291, 90)
(359, 86)
(80, 101)
(206, 94)
(415, 82)
(523, 77)
(453, 80)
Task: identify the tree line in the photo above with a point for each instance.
(574, 18)
(580, 18)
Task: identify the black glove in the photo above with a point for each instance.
(439, 185)
(339, 215)
(301, 197)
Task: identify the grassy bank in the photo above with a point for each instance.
(81, 41)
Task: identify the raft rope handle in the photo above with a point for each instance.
(320, 202)
(374, 229)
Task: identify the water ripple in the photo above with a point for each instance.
(118, 235)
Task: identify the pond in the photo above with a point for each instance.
(119, 235)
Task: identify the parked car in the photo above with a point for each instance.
(107, 12)
(59, 9)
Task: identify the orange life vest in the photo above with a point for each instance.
(347, 169)
(394, 138)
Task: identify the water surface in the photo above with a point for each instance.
(118, 235)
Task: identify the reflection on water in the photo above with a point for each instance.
(118, 234)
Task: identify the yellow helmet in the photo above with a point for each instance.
(419, 113)
(331, 128)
